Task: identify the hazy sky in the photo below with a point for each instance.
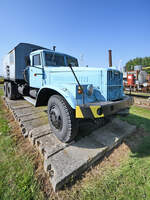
(85, 29)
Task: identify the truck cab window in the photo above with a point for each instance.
(36, 60)
(71, 60)
(54, 59)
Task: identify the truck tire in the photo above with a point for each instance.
(11, 91)
(61, 118)
(5, 89)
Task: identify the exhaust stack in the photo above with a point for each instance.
(110, 58)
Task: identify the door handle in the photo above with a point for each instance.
(38, 74)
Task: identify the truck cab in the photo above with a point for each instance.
(41, 60)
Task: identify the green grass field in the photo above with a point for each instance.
(17, 179)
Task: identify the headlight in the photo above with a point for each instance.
(90, 90)
(80, 90)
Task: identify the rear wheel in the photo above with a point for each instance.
(61, 119)
(5, 89)
(12, 91)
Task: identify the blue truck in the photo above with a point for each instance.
(46, 77)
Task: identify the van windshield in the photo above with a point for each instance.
(54, 59)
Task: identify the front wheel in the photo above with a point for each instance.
(61, 119)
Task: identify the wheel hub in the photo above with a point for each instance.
(55, 117)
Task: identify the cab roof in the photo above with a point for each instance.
(50, 51)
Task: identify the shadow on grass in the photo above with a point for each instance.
(139, 142)
(143, 149)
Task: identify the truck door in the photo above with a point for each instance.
(36, 72)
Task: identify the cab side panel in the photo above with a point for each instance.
(35, 77)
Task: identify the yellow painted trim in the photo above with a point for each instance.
(94, 111)
(79, 112)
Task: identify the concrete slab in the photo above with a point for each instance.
(27, 111)
(14, 102)
(48, 144)
(51, 150)
(76, 158)
(33, 116)
(20, 106)
(29, 125)
(39, 132)
(141, 101)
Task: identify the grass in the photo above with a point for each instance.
(1, 80)
(17, 176)
(139, 116)
(129, 181)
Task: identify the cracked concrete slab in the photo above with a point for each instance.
(49, 145)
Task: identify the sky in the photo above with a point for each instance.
(86, 29)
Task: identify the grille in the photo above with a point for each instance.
(114, 85)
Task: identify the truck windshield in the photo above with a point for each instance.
(71, 60)
(54, 59)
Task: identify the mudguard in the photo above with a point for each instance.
(57, 90)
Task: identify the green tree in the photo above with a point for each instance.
(137, 61)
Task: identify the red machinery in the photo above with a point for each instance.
(130, 80)
(137, 80)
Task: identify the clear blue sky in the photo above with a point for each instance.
(79, 27)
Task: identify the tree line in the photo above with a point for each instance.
(137, 61)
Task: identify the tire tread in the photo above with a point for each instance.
(72, 123)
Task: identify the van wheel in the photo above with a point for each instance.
(11, 91)
(61, 119)
(5, 89)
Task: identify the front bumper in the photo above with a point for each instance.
(102, 109)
